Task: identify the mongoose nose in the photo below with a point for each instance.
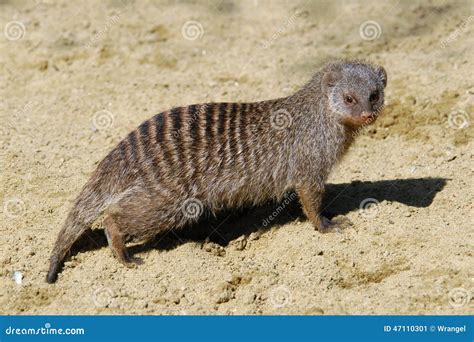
(366, 115)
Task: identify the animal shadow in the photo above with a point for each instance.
(229, 225)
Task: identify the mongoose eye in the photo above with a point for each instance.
(374, 97)
(349, 99)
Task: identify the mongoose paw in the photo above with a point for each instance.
(137, 260)
(325, 225)
(337, 225)
(129, 261)
(133, 262)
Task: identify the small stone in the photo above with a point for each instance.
(17, 277)
(240, 244)
(214, 248)
(450, 158)
(255, 235)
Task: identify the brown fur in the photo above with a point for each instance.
(218, 155)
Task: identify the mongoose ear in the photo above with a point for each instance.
(329, 79)
(382, 74)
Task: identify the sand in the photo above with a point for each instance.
(75, 79)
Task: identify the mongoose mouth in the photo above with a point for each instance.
(360, 120)
(367, 118)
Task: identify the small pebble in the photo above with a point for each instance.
(17, 277)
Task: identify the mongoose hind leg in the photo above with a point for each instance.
(116, 242)
(311, 202)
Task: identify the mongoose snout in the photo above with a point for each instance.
(203, 158)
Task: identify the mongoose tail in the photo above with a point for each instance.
(86, 209)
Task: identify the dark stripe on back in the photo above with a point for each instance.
(249, 134)
(132, 152)
(222, 136)
(195, 140)
(177, 120)
(209, 139)
(194, 126)
(145, 136)
(243, 123)
(160, 121)
(210, 123)
(232, 133)
(222, 116)
(147, 143)
(176, 135)
(145, 164)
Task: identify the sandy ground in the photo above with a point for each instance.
(76, 78)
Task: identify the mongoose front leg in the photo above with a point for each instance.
(311, 202)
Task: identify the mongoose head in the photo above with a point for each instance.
(355, 91)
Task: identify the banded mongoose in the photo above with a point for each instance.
(206, 157)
